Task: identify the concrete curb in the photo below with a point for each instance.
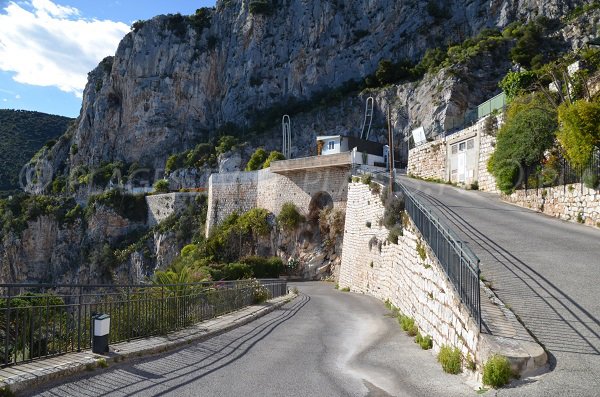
(27, 376)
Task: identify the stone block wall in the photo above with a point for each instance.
(575, 203)
(428, 160)
(419, 288)
(161, 206)
(487, 182)
(242, 191)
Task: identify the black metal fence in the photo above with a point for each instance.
(460, 264)
(557, 171)
(458, 261)
(45, 320)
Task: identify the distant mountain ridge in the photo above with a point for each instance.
(22, 134)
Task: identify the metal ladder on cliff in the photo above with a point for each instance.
(366, 129)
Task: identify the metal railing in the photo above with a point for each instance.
(458, 261)
(460, 264)
(43, 320)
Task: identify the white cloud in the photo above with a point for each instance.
(17, 96)
(46, 44)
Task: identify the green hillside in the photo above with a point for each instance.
(22, 134)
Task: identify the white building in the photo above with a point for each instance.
(364, 152)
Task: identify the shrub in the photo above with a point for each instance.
(421, 250)
(375, 187)
(289, 218)
(394, 233)
(261, 293)
(425, 342)
(226, 143)
(451, 359)
(264, 267)
(201, 19)
(133, 207)
(177, 24)
(257, 160)
(273, 156)
(137, 25)
(261, 7)
(522, 141)
(408, 325)
(345, 289)
(236, 271)
(517, 83)
(496, 371)
(579, 132)
(392, 215)
(161, 186)
(366, 179)
(102, 363)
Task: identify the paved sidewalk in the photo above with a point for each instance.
(24, 376)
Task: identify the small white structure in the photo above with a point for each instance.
(363, 152)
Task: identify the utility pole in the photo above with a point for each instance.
(391, 153)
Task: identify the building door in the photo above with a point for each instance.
(462, 166)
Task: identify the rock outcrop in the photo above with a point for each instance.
(171, 84)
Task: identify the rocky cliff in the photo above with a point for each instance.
(236, 69)
(175, 81)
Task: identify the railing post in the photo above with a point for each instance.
(7, 327)
(79, 319)
(162, 309)
(128, 300)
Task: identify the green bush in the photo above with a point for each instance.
(496, 371)
(366, 179)
(261, 293)
(133, 207)
(408, 325)
(236, 271)
(226, 143)
(529, 131)
(394, 233)
(451, 359)
(264, 267)
(517, 83)
(261, 7)
(425, 342)
(257, 160)
(579, 132)
(392, 215)
(201, 19)
(273, 156)
(289, 218)
(161, 186)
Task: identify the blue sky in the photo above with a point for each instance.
(48, 46)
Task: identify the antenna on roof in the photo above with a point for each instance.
(366, 129)
(287, 136)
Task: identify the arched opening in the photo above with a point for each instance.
(319, 202)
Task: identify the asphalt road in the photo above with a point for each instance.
(546, 270)
(324, 343)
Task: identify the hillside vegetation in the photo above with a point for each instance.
(22, 134)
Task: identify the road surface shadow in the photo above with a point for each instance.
(150, 374)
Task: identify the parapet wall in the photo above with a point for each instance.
(419, 288)
(242, 191)
(428, 161)
(575, 203)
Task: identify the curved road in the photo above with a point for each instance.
(546, 270)
(324, 343)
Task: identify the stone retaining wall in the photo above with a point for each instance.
(428, 161)
(419, 288)
(242, 191)
(574, 203)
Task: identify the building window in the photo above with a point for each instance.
(470, 144)
(454, 149)
(330, 145)
(461, 147)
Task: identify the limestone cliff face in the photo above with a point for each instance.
(170, 86)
